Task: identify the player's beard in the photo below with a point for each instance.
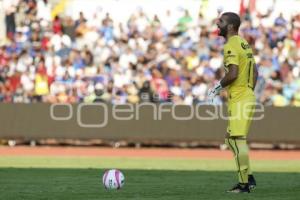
(223, 31)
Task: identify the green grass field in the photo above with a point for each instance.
(47, 178)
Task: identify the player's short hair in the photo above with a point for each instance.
(233, 19)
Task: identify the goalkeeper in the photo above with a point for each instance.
(240, 79)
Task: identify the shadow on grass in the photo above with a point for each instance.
(86, 184)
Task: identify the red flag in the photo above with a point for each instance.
(242, 8)
(252, 6)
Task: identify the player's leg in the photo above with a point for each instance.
(227, 136)
(249, 112)
(238, 127)
(249, 169)
(241, 155)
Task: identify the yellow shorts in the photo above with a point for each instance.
(240, 117)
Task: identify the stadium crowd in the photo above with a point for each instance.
(161, 59)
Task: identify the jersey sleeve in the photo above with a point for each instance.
(230, 56)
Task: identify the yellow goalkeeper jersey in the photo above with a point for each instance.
(237, 51)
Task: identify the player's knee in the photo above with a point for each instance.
(226, 141)
(227, 135)
(238, 137)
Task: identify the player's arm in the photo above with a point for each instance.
(232, 60)
(231, 76)
(255, 75)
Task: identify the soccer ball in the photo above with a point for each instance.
(113, 179)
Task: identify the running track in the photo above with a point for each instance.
(144, 152)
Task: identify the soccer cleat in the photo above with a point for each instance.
(251, 181)
(240, 188)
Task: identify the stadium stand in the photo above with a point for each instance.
(148, 59)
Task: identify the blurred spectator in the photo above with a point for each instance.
(146, 93)
(57, 25)
(184, 22)
(159, 58)
(43, 10)
(10, 8)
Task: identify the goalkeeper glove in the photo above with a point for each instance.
(214, 91)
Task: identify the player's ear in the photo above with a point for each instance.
(230, 27)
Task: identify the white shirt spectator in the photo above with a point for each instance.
(60, 72)
(23, 62)
(10, 6)
(90, 71)
(43, 10)
(168, 21)
(142, 22)
(121, 77)
(199, 91)
(127, 58)
(177, 90)
(57, 41)
(95, 22)
(188, 100)
(102, 53)
(27, 82)
(216, 62)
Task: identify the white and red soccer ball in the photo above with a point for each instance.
(113, 179)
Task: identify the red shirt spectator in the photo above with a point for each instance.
(57, 25)
(15, 81)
